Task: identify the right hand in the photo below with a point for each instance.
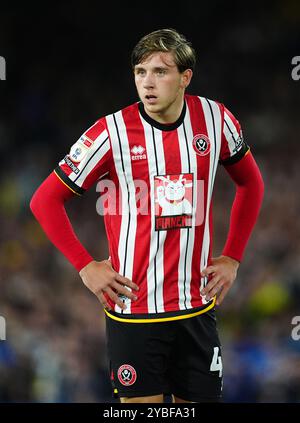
(100, 278)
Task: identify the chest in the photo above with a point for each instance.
(141, 155)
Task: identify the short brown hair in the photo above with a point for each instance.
(165, 40)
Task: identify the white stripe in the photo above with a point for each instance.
(126, 218)
(155, 272)
(184, 232)
(162, 234)
(153, 240)
(213, 164)
(230, 136)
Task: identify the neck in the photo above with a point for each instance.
(170, 114)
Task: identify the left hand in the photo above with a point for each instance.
(223, 271)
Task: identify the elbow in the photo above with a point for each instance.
(37, 203)
(41, 197)
(34, 203)
(261, 187)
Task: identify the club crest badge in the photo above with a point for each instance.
(201, 144)
(127, 374)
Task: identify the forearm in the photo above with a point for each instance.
(47, 205)
(246, 205)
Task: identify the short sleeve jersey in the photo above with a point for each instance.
(157, 181)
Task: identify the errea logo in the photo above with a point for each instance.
(138, 153)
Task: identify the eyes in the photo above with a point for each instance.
(140, 72)
(159, 72)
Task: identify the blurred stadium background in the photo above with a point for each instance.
(68, 65)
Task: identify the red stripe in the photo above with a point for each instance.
(198, 127)
(172, 240)
(140, 171)
(112, 223)
(95, 130)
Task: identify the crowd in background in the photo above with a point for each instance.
(55, 329)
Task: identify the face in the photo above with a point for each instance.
(159, 83)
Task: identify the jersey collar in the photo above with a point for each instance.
(162, 126)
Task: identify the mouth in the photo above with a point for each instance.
(151, 98)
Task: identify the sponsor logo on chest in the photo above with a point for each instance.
(138, 153)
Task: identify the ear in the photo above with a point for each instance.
(186, 77)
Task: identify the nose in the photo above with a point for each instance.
(148, 81)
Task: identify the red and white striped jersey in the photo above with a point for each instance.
(160, 182)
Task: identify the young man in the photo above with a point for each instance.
(160, 285)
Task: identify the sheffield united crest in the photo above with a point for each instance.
(201, 144)
(127, 375)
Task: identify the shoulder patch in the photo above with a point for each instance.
(80, 148)
(78, 152)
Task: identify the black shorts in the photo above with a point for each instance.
(180, 357)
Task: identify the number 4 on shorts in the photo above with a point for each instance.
(216, 362)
